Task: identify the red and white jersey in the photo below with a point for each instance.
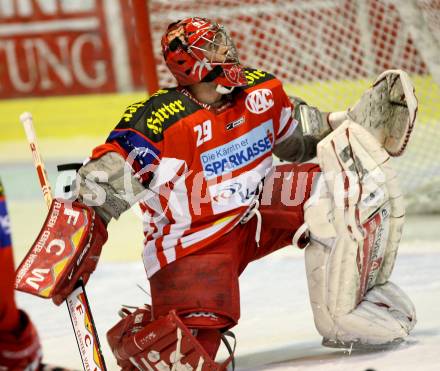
(202, 167)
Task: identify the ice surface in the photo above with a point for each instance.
(276, 331)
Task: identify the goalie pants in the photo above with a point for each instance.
(203, 287)
(9, 314)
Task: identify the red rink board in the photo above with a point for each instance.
(50, 47)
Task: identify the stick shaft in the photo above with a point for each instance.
(26, 119)
(77, 302)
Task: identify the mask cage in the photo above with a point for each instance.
(217, 50)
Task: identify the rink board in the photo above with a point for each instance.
(95, 115)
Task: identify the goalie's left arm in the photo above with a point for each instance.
(300, 146)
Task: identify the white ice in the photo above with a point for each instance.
(276, 330)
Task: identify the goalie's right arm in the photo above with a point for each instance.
(70, 242)
(108, 184)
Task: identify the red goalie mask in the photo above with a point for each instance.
(197, 49)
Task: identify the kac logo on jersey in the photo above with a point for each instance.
(259, 101)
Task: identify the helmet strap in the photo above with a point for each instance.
(224, 89)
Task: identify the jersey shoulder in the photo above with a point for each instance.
(153, 116)
(256, 77)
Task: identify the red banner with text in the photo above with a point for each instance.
(54, 47)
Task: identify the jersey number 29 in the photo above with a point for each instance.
(204, 132)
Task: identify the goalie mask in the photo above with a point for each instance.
(199, 50)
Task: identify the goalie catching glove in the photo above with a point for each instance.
(387, 110)
(66, 250)
(355, 217)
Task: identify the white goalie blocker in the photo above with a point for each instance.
(355, 217)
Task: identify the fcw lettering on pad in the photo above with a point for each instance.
(239, 152)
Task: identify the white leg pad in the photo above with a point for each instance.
(355, 217)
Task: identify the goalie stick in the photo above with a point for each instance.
(77, 303)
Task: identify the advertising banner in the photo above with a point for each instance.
(54, 47)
